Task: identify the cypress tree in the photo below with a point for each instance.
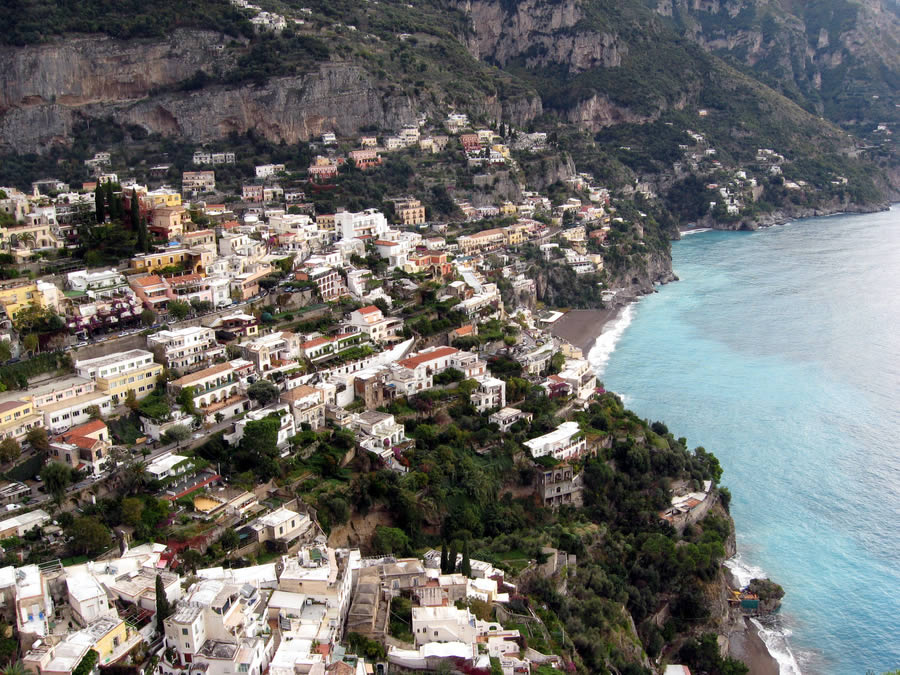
(98, 203)
(451, 561)
(443, 557)
(135, 210)
(466, 565)
(162, 606)
(110, 200)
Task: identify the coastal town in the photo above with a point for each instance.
(179, 426)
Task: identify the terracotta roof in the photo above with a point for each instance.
(414, 361)
(10, 405)
(382, 242)
(206, 372)
(87, 428)
(487, 233)
(185, 279)
(465, 330)
(315, 342)
(149, 280)
(368, 310)
(302, 391)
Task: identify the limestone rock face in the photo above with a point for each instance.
(540, 33)
(45, 90)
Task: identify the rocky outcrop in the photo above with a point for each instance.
(539, 34)
(46, 90)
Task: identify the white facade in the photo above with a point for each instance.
(114, 364)
(370, 222)
(564, 442)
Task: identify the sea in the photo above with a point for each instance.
(779, 351)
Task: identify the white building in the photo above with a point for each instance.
(186, 348)
(286, 427)
(267, 170)
(491, 393)
(564, 442)
(368, 223)
(443, 624)
(371, 321)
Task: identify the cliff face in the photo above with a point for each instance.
(45, 90)
(540, 34)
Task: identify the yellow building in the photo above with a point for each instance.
(410, 212)
(152, 262)
(141, 381)
(508, 209)
(516, 234)
(17, 418)
(112, 636)
(18, 295)
(163, 197)
(325, 222)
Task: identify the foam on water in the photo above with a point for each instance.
(697, 230)
(777, 351)
(605, 344)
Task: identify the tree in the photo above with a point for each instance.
(31, 343)
(162, 606)
(148, 317)
(56, 477)
(178, 309)
(229, 539)
(191, 559)
(177, 434)
(37, 438)
(94, 412)
(89, 536)
(451, 560)
(390, 540)
(99, 203)
(131, 401)
(87, 663)
(185, 399)
(132, 509)
(15, 668)
(9, 450)
(466, 568)
(263, 392)
(5, 351)
(443, 557)
(139, 224)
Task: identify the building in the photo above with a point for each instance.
(443, 624)
(416, 373)
(409, 211)
(307, 404)
(486, 240)
(119, 374)
(203, 157)
(563, 443)
(238, 324)
(368, 223)
(506, 417)
(282, 527)
(185, 348)
(198, 182)
(560, 486)
(371, 321)
(380, 433)
(491, 393)
(186, 259)
(216, 390)
(365, 159)
(277, 350)
(328, 281)
(267, 170)
(17, 418)
(68, 402)
(20, 524)
(85, 446)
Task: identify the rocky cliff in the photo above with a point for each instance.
(539, 34)
(45, 90)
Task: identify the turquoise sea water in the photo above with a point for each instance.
(779, 351)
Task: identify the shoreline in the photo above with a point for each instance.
(782, 217)
(582, 327)
(746, 645)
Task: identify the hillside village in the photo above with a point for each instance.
(178, 429)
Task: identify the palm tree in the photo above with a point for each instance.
(27, 239)
(15, 668)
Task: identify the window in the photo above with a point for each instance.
(184, 631)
